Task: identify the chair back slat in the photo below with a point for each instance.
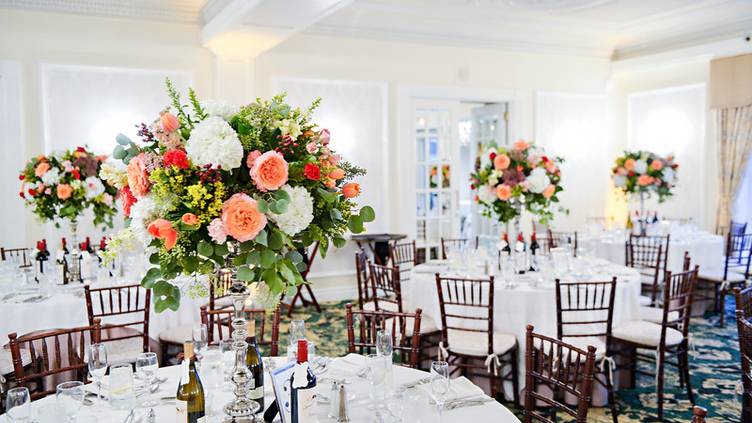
(457, 243)
(744, 301)
(585, 309)
(120, 301)
(738, 254)
(219, 326)
(554, 368)
(558, 239)
(22, 256)
(385, 286)
(677, 299)
(363, 278)
(368, 323)
(404, 256)
(649, 256)
(466, 305)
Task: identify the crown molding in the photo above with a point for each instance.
(172, 11)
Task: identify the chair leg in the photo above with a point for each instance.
(610, 388)
(313, 298)
(685, 370)
(163, 347)
(515, 378)
(659, 385)
(722, 307)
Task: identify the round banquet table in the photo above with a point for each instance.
(704, 248)
(416, 408)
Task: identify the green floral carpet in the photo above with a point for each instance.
(714, 368)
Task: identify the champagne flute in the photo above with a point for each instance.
(297, 331)
(439, 383)
(70, 397)
(18, 405)
(97, 361)
(200, 340)
(146, 368)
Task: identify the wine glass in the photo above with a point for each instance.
(69, 397)
(200, 340)
(18, 405)
(146, 368)
(439, 383)
(97, 361)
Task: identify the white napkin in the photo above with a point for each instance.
(351, 363)
(459, 388)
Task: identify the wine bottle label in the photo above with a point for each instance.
(182, 411)
(306, 405)
(201, 420)
(184, 371)
(256, 393)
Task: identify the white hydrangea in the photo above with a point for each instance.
(538, 180)
(219, 108)
(486, 194)
(77, 184)
(94, 187)
(493, 177)
(52, 177)
(299, 212)
(668, 175)
(114, 173)
(214, 142)
(620, 181)
(640, 167)
(142, 213)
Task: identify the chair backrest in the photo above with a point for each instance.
(558, 239)
(385, 287)
(60, 352)
(466, 305)
(219, 289)
(677, 300)
(737, 228)
(363, 278)
(559, 368)
(744, 327)
(585, 309)
(219, 326)
(404, 253)
(699, 414)
(22, 256)
(457, 243)
(649, 256)
(738, 253)
(744, 301)
(120, 301)
(367, 323)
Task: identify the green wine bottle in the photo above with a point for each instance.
(190, 396)
(255, 366)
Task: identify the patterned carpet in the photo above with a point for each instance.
(714, 366)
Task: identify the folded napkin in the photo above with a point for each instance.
(459, 388)
(351, 363)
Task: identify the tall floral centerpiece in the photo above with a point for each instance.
(61, 186)
(508, 180)
(234, 193)
(643, 173)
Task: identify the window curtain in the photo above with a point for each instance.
(731, 103)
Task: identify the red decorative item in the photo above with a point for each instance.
(312, 172)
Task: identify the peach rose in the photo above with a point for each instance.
(138, 177)
(252, 156)
(41, 169)
(241, 217)
(337, 174)
(351, 190)
(169, 122)
(657, 164)
(521, 145)
(629, 164)
(550, 166)
(189, 219)
(644, 180)
(549, 191)
(501, 162)
(504, 192)
(64, 191)
(331, 183)
(162, 229)
(269, 171)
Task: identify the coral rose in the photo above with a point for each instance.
(252, 156)
(162, 229)
(351, 190)
(501, 162)
(331, 183)
(138, 177)
(128, 200)
(644, 180)
(189, 219)
(169, 122)
(656, 164)
(521, 145)
(241, 217)
(269, 171)
(64, 191)
(629, 164)
(549, 191)
(503, 192)
(312, 172)
(41, 169)
(550, 166)
(337, 174)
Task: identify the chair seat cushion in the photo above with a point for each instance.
(655, 315)
(222, 302)
(383, 305)
(582, 342)
(124, 350)
(645, 300)
(646, 333)
(476, 343)
(716, 275)
(6, 361)
(427, 325)
(177, 335)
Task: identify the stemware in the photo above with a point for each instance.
(297, 331)
(200, 340)
(228, 357)
(146, 369)
(97, 360)
(70, 397)
(439, 383)
(376, 374)
(18, 404)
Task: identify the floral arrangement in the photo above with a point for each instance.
(508, 179)
(251, 184)
(643, 172)
(64, 184)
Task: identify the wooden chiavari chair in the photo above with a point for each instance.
(744, 327)
(559, 368)
(468, 336)
(584, 317)
(386, 290)
(21, 255)
(219, 326)
(363, 279)
(457, 243)
(404, 327)
(556, 239)
(649, 256)
(655, 314)
(59, 353)
(737, 228)
(744, 301)
(668, 339)
(404, 257)
(308, 257)
(124, 341)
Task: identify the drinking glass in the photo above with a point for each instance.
(439, 383)
(121, 386)
(211, 367)
(70, 396)
(396, 404)
(228, 357)
(18, 405)
(146, 368)
(297, 331)
(376, 374)
(200, 340)
(385, 348)
(97, 361)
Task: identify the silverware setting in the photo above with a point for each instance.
(418, 382)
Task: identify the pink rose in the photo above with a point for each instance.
(217, 231)
(549, 191)
(521, 145)
(550, 166)
(503, 192)
(644, 180)
(621, 171)
(334, 159)
(169, 122)
(41, 169)
(162, 229)
(64, 191)
(501, 162)
(138, 177)
(252, 156)
(324, 136)
(241, 217)
(269, 171)
(311, 147)
(657, 164)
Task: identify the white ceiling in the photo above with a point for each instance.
(604, 28)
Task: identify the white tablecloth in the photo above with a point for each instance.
(416, 407)
(705, 249)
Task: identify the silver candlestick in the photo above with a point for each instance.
(74, 267)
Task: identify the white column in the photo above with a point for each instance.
(234, 70)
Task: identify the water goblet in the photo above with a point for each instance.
(18, 404)
(439, 383)
(146, 369)
(97, 360)
(70, 397)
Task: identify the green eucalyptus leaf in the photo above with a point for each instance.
(122, 139)
(262, 205)
(355, 224)
(245, 273)
(367, 214)
(240, 259)
(205, 249)
(119, 153)
(282, 195)
(190, 264)
(272, 279)
(275, 241)
(296, 257)
(339, 242)
(221, 250)
(287, 274)
(154, 258)
(326, 195)
(254, 257)
(335, 214)
(267, 258)
(261, 238)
